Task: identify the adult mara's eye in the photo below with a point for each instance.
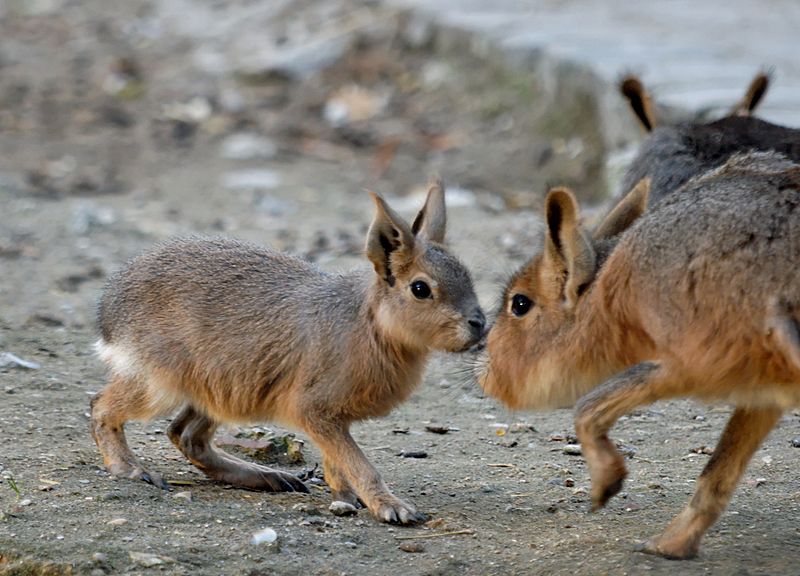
(520, 304)
(420, 290)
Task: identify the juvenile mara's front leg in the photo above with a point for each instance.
(349, 473)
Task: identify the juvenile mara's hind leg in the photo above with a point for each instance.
(121, 400)
(742, 436)
(192, 431)
(348, 473)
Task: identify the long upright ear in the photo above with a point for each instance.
(639, 100)
(752, 98)
(431, 221)
(625, 212)
(567, 247)
(388, 234)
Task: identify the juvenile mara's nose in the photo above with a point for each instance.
(477, 323)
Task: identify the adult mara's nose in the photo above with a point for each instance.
(477, 323)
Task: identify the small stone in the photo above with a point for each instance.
(25, 502)
(796, 442)
(340, 508)
(97, 572)
(313, 521)
(149, 560)
(255, 179)
(413, 454)
(183, 495)
(7, 359)
(264, 536)
(117, 522)
(99, 557)
(305, 508)
(572, 449)
(569, 482)
(351, 544)
(412, 547)
(247, 146)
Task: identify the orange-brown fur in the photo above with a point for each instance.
(699, 298)
(233, 332)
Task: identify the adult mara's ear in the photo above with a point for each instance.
(755, 93)
(431, 221)
(639, 100)
(388, 235)
(625, 212)
(567, 247)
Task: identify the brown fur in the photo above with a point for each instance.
(699, 297)
(233, 332)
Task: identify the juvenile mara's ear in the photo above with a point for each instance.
(567, 249)
(388, 234)
(431, 221)
(755, 92)
(632, 88)
(625, 212)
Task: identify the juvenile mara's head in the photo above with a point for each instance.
(526, 363)
(425, 297)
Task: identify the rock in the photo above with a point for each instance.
(413, 454)
(340, 508)
(99, 557)
(88, 216)
(7, 359)
(264, 536)
(572, 449)
(305, 508)
(25, 502)
(255, 179)
(438, 429)
(117, 522)
(796, 442)
(183, 495)
(195, 111)
(149, 560)
(412, 547)
(313, 521)
(247, 146)
(353, 104)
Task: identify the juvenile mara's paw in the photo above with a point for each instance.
(133, 472)
(390, 509)
(256, 477)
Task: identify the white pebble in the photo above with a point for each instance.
(264, 536)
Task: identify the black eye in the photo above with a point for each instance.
(520, 304)
(420, 290)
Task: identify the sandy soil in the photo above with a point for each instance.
(103, 152)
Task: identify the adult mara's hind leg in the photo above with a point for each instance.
(121, 400)
(743, 434)
(191, 432)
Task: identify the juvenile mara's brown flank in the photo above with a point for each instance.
(699, 297)
(232, 332)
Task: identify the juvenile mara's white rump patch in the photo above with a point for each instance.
(162, 392)
(119, 358)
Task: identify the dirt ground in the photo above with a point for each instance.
(113, 137)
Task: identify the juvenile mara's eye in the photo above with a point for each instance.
(420, 290)
(520, 304)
